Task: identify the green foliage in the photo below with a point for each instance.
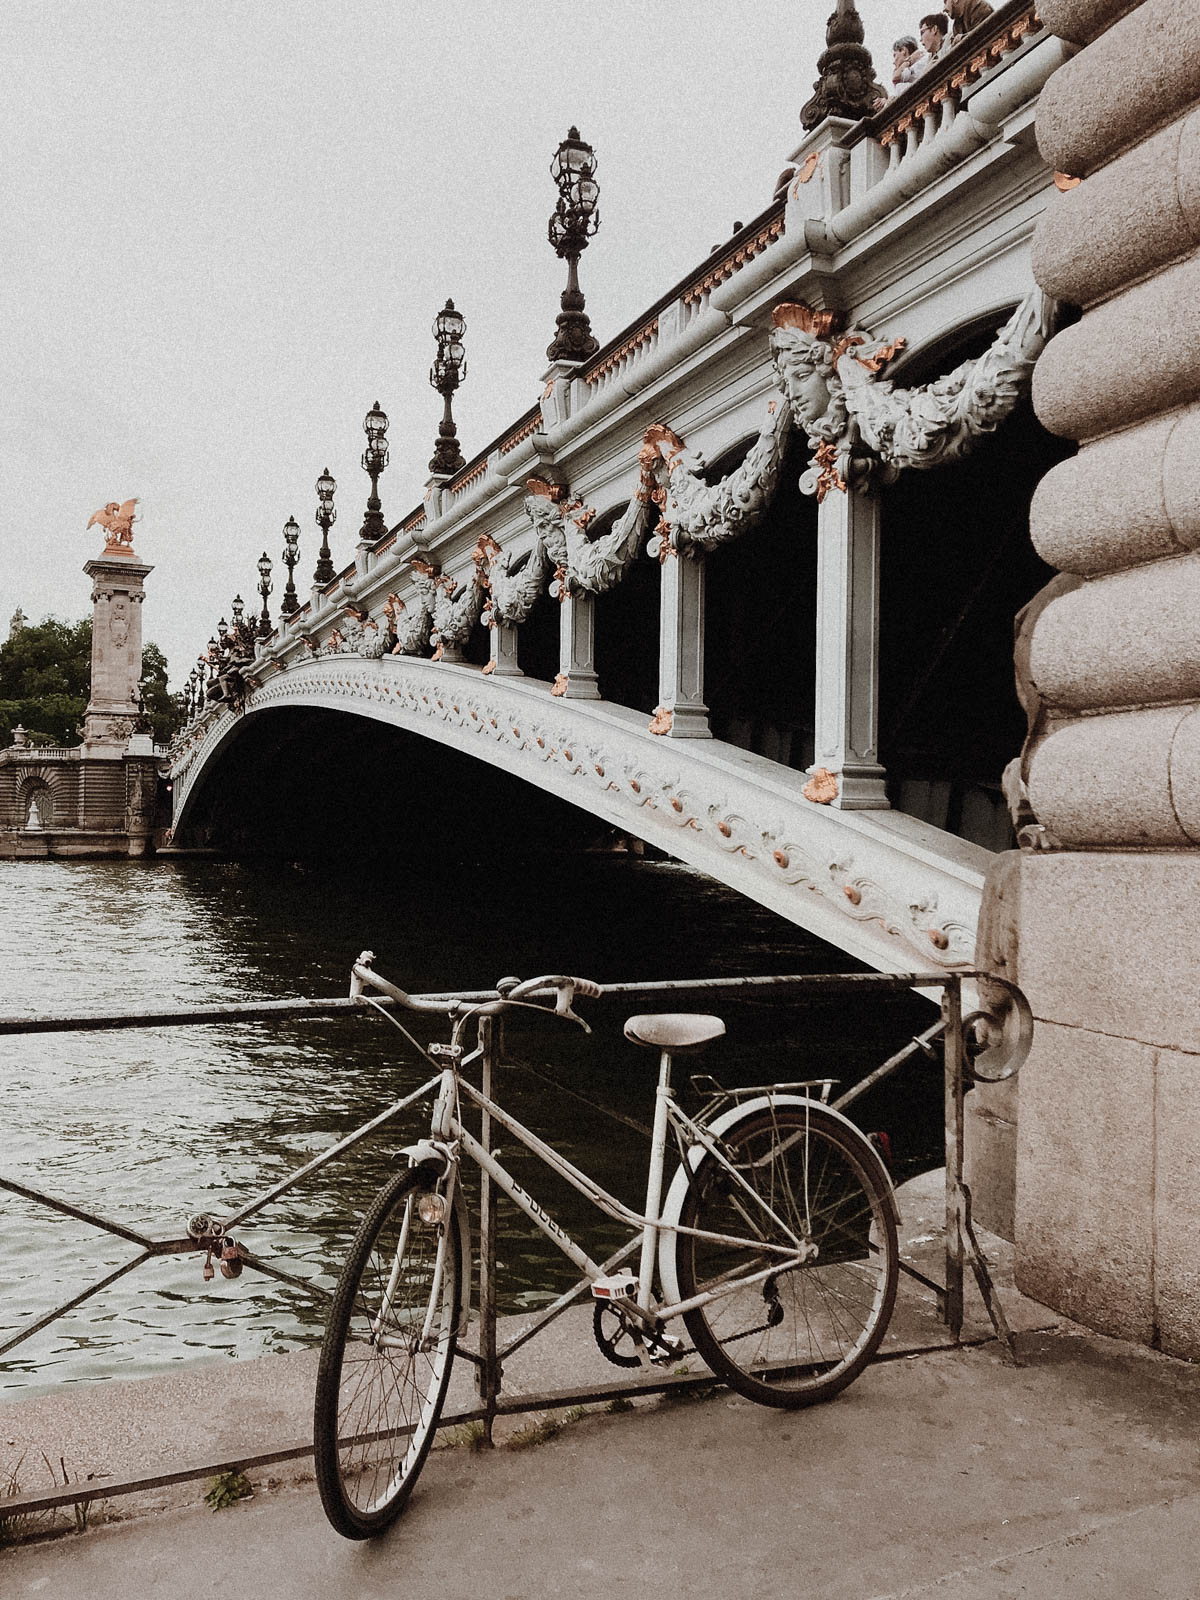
(535, 1433)
(156, 700)
(226, 1489)
(470, 1436)
(45, 673)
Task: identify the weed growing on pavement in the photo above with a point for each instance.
(226, 1489)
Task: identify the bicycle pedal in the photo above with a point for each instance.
(666, 1349)
(617, 1286)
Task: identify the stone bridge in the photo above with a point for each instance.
(614, 590)
(870, 304)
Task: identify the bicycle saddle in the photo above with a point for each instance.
(674, 1030)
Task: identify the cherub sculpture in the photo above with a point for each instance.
(117, 519)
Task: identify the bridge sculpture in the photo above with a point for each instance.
(772, 336)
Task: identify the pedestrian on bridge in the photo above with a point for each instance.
(967, 14)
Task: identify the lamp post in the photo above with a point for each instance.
(572, 223)
(326, 517)
(290, 603)
(375, 458)
(264, 589)
(222, 632)
(445, 375)
(213, 649)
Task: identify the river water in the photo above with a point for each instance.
(148, 1126)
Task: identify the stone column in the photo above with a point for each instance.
(1107, 941)
(117, 595)
(577, 647)
(847, 694)
(504, 651)
(681, 646)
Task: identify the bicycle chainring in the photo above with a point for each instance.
(615, 1336)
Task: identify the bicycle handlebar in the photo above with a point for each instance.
(363, 976)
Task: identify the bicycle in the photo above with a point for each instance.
(775, 1245)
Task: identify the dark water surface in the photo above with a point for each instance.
(149, 1126)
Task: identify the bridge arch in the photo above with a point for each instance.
(867, 883)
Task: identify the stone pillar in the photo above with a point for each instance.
(504, 651)
(847, 695)
(577, 647)
(1107, 940)
(681, 646)
(117, 595)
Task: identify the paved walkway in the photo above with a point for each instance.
(940, 1472)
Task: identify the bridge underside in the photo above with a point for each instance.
(348, 755)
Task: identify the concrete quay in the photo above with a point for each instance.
(942, 1471)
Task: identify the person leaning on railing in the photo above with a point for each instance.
(967, 14)
(932, 33)
(908, 63)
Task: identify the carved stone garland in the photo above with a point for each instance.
(862, 430)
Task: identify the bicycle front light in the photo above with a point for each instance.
(431, 1208)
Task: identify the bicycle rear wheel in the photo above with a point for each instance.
(386, 1359)
(801, 1334)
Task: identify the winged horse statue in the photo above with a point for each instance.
(117, 520)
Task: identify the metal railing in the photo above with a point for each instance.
(996, 1040)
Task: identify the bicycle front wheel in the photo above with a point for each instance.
(385, 1363)
(806, 1184)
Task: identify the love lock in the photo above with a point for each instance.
(231, 1258)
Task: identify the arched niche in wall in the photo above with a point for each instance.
(956, 566)
(627, 627)
(35, 791)
(760, 620)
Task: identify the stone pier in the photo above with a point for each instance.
(98, 798)
(1102, 929)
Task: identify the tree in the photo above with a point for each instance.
(45, 677)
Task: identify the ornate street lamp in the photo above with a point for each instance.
(447, 372)
(326, 517)
(238, 610)
(222, 631)
(213, 650)
(375, 458)
(264, 589)
(573, 222)
(290, 603)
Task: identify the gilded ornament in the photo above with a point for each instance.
(117, 519)
(821, 788)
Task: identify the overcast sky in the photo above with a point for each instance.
(229, 227)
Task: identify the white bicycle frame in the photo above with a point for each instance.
(451, 1139)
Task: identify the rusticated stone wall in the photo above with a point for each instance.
(1104, 932)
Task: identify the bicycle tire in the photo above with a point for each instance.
(802, 1335)
(378, 1404)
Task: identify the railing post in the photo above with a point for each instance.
(577, 647)
(847, 691)
(955, 1059)
(488, 1375)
